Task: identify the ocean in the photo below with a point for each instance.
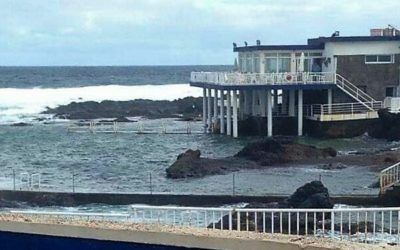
(87, 162)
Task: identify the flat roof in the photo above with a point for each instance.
(317, 43)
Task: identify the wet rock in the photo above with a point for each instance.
(123, 119)
(311, 195)
(387, 127)
(186, 107)
(21, 124)
(332, 166)
(190, 164)
(270, 151)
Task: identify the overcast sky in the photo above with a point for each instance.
(172, 32)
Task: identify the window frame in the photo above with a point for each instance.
(392, 59)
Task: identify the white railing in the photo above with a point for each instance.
(389, 176)
(369, 225)
(354, 91)
(236, 78)
(341, 109)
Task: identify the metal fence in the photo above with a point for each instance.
(368, 225)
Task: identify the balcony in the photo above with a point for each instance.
(238, 79)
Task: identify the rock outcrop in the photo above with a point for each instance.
(311, 195)
(187, 108)
(388, 126)
(269, 152)
(255, 155)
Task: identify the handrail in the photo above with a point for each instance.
(336, 223)
(236, 78)
(354, 91)
(389, 176)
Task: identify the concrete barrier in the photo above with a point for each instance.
(73, 199)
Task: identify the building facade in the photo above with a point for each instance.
(333, 78)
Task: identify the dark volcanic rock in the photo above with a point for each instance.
(311, 195)
(20, 124)
(191, 164)
(187, 107)
(254, 155)
(270, 152)
(387, 127)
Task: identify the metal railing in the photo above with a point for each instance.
(73, 215)
(369, 225)
(235, 78)
(388, 177)
(341, 109)
(352, 90)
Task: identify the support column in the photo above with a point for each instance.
(215, 113)
(241, 104)
(263, 103)
(228, 113)
(247, 102)
(209, 117)
(300, 113)
(292, 99)
(254, 103)
(235, 114)
(276, 100)
(284, 101)
(205, 109)
(269, 113)
(222, 113)
(330, 101)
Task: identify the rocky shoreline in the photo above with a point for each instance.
(279, 152)
(188, 108)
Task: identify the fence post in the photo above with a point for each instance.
(151, 184)
(14, 179)
(233, 184)
(333, 224)
(73, 182)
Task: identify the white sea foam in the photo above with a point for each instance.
(25, 104)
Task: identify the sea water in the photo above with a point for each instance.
(87, 162)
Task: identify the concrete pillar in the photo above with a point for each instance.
(254, 103)
(269, 113)
(284, 101)
(215, 113)
(330, 97)
(241, 104)
(263, 103)
(205, 109)
(292, 99)
(275, 100)
(247, 104)
(209, 117)
(228, 113)
(293, 62)
(235, 114)
(222, 113)
(300, 113)
(262, 64)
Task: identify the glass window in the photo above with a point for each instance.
(390, 91)
(271, 65)
(270, 55)
(249, 64)
(379, 58)
(284, 65)
(385, 58)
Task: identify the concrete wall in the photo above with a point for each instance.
(375, 77)
(35, 236)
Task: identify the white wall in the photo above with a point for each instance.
(358, 48)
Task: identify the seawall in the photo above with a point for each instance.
(37, 198)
